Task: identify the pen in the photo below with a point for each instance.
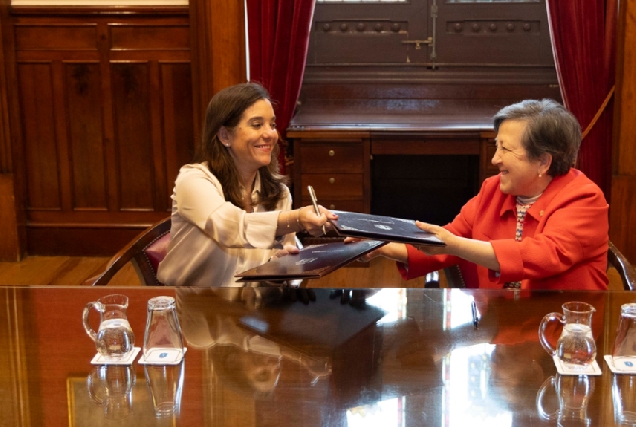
(473, 306)
(314, 201)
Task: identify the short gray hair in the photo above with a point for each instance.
(550, 129)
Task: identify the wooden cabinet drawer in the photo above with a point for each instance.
(333, 186)
(332, 158)
(352, 205)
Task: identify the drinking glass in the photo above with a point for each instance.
(624, 398)
(165, 383)
(624, 350)
(163, 341)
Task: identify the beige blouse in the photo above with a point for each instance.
(212, 239)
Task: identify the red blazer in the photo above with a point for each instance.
(564, 241)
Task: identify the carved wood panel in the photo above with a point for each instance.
(85, 136)
(107, 121)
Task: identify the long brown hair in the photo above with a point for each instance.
(226, 109)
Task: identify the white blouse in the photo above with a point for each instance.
(212, 239)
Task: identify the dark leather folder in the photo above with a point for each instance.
(384, 228)
(312, 262)
(316, 329)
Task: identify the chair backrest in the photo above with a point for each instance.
(625, 270)
(145, 253)
(615, 259)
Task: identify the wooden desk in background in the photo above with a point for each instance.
(424, 363)
(363, 162)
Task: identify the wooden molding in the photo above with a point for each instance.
(622, 202)
(91, 3)
(217, 34)
(93, 9)
(5, 132)
(11, 244)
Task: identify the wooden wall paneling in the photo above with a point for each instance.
(61, 135)
(39, 133)
(115, 139)
(176, 81)
(108, 117)
(10, 245)
(133, 134)
(84, 100)
(147, 37)
(6, 48)
(622, 201)
(487, 148)
(160, 195)
(56, 37)
(217, 34)
(366, 191)
(623, 214)
(336, 87)
(13, 241)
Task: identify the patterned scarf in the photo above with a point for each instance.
(523, 204)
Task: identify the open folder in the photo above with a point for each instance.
(384, 228)
(312, 262)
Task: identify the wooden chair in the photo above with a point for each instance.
(145, 252)
(615, 259)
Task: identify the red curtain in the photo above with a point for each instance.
(583, 37)
(278, 32)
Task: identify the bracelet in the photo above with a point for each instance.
(300, 226)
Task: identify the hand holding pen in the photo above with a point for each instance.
(314, 201)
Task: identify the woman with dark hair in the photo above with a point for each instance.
(538, 224)
(231, 209)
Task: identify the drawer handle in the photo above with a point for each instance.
(332, 206)
(332, 153)
(332, 180)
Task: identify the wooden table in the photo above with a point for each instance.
(259, 358)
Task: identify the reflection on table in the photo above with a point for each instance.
(279, 356)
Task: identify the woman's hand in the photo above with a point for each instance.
(476, 251)
(441, 233)
(287, 250)
(314, 223)
(394, 251)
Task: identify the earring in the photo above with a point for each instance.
(227, 145)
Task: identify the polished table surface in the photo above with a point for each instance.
(270, 357)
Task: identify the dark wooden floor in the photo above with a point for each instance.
(74, 271)
(61, 271)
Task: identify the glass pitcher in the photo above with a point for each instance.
(573, 394)
(111, 387)
(114, 338)
(575, 347)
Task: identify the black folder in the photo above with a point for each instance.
(312, 262)
(384, 228)
(316, 329)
